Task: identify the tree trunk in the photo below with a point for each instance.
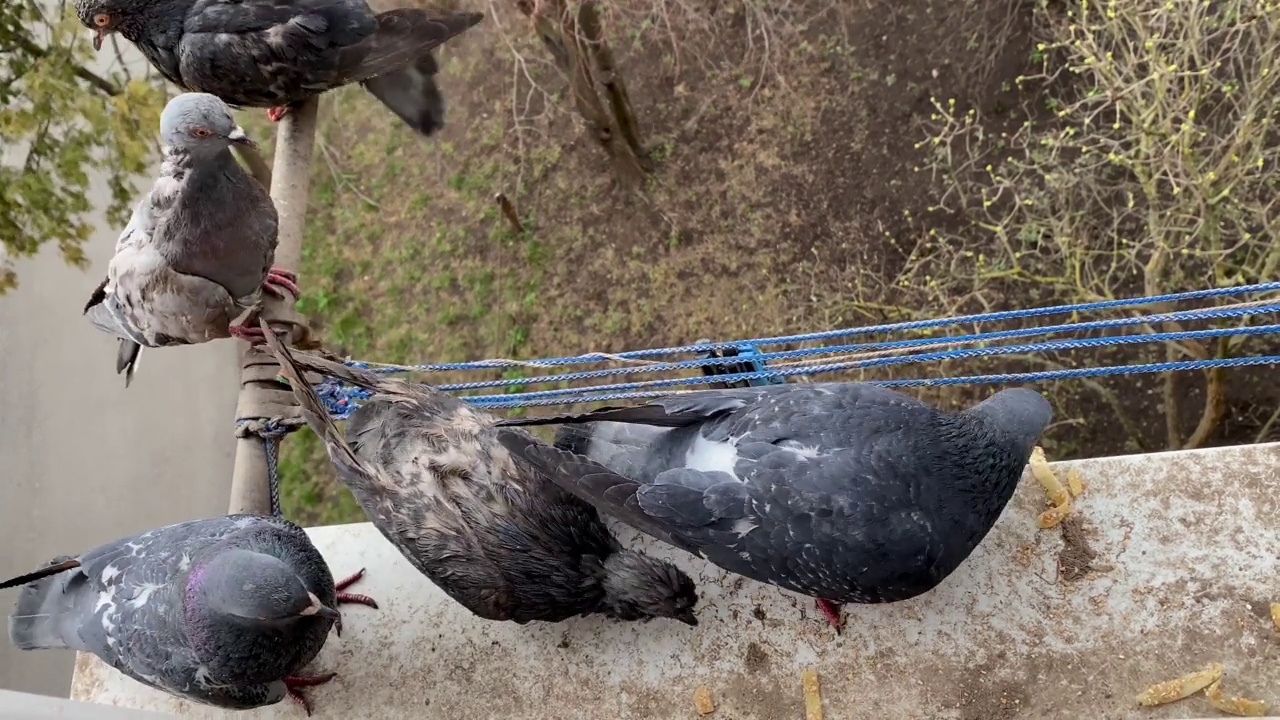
(577, 45)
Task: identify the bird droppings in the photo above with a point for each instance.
(1233, 705)
(755, 659)
(702, 701)
(1177, 689)
(812, 695)
(1075, 559)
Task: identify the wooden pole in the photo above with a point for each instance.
(261, 398)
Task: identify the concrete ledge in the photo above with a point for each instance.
(1187, 561)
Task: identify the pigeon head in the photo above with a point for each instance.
(127, 17)
(1021, 414)
(638, 587)
(200, 124)
(242, 588)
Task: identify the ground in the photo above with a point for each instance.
(785, 198)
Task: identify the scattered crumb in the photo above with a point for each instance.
(1275, 615)
(1233, 705)
(702, 701)
(758, 613)
(1025, 555)
(1058, 495)
(1053, 516)
(1075, 483)
(1185, 686)
(812, 698)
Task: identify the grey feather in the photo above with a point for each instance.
(215, 610)
(411, 93)
(500, 538)
(198, 246)
(843, 491)
(273, 53)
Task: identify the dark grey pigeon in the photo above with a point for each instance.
(223, 611)
(842, 491)
(495, 535)
(197, 252)
(277, 53)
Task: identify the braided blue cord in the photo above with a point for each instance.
(877, 346)
(343, 409)
(1028, 348)
(846, 332)
(341, 398)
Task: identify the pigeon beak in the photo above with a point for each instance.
(239, 137)
(318, 608)
(687, 618)
(97, 40)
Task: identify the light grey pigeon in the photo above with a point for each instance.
(197, 252)
(277, 53)
(495, 535)
(224, 611)
(846, 492)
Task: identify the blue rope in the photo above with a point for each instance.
(764, 358)
(845, 332)
(341, 398)
(271, 433)
(343, 407)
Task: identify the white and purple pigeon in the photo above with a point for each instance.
(224, 611)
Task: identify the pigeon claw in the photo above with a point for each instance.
(279, 280)
(293, 682)
(831, 611)
(346, 597)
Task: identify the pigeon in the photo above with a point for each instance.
(846, 492)
(496, 536)
(199, 247)
(223, 611)
(278, 53)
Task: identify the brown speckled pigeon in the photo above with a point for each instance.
(495, 535)
(278, 53)
(198, 250)
(846, 492)
(224, 611)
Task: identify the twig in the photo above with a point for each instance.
(509, 212)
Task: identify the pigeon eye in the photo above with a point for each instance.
(102, 19)
(200, 132)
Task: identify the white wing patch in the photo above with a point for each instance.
(712, 456)
(109, 573)
(144, 591)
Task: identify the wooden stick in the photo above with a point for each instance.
(290, 188)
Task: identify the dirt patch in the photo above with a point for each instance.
(1075, 560)
(755, 659)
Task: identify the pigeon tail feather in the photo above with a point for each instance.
(127, 358)
(314, 411)
(403, 36)
(411, 93)
(35, 622)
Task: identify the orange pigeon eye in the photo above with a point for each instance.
(102, 19)
(200, 132)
